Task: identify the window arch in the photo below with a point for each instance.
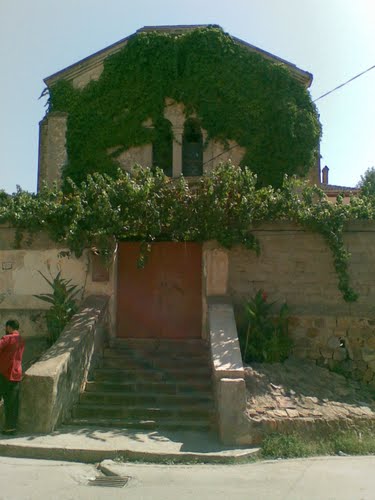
(162, 146)
(192, 148)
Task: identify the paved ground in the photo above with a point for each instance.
(336, 478)
(301, 391)
(92, 445)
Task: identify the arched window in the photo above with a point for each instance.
(162, 147)
(192, 148)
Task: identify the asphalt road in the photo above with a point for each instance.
(341, 478)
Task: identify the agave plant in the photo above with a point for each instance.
(264, 335)
(63, 300)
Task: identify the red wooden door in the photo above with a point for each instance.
(164, 299)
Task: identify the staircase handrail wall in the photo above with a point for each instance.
(227, 371)
(53, 385)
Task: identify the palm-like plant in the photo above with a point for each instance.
(264, 337)
(63, 304)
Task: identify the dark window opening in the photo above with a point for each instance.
(192, 149)
(162, 147)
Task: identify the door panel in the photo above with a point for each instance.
(164, 299)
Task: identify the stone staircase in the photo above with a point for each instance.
(150, 384)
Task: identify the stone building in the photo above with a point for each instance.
(190, 153)
(187, 292)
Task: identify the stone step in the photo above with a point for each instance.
(166, 387)
(191, 347)
(86, 410)
(117, 374)
(160, 350)
(145, 363)
(131, 354)
(118, 398)
(150, 424)
(150, 384)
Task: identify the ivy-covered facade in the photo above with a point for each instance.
(184, 98)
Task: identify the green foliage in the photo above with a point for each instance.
(293, 445)
(367, 182)
(264, 337)
(236, 94)
(63, 305)
(145, 205)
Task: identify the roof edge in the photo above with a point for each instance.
(96, 58)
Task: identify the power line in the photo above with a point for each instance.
(324, 95)
(345, 83)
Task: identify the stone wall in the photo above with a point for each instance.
(52, 147)
(345, 344)
(296, 267)
(52, 386)
(20, 279)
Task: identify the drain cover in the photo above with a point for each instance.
(109, 481)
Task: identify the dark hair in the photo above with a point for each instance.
(13, 323)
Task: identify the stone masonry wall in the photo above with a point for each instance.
(52, 148)
(345, 344)
(20, 279)
(296, 267)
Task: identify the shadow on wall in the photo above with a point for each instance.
(35, 347)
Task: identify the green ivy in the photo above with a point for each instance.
(146, 205)
(237, 94)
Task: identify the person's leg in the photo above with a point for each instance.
(11, 406)
(2, 386)
(2, 391)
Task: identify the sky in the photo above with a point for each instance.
(332, 39)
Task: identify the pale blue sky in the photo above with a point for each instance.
(333, 39)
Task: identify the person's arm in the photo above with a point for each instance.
(3, 342)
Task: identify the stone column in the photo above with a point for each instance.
(52, 147)
(216, 268)
(177, 152)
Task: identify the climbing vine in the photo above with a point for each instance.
(146, 205)
(236, 94)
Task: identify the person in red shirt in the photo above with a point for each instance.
(11, 351)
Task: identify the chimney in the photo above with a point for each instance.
(325, 175)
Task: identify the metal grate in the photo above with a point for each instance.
(109, 481)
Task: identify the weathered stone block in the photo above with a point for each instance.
(340, 354)
(340, 333)
(294, 322)
(368, 354)
(313, 354)
(216, 263)
(231, 405)
(327, 353)
(370, 343)
(368, 375)
(347, 365)
(312, 332)
(344, 323)
(320, 322)
(333, 343)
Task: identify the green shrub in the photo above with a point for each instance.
(264, 337)
(64, 305)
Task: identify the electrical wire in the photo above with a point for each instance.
(345, 83)
(317, 99)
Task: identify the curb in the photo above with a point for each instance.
(99, 455)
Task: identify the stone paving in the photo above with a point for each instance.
(299, 395)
